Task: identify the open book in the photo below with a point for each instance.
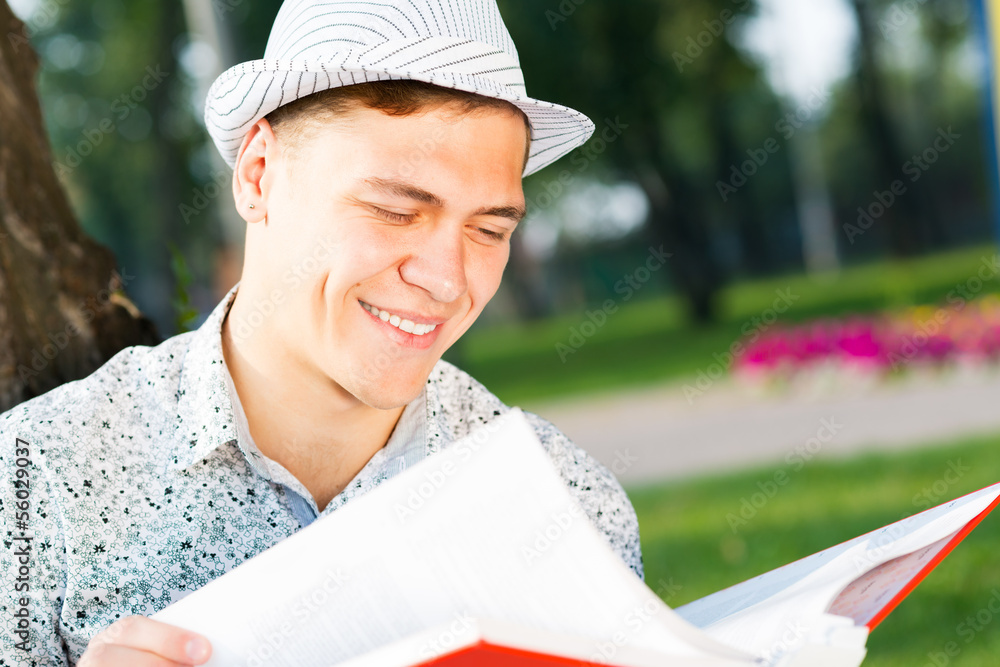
(479, 555)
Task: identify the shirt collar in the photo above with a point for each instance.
(204, 412)
(406, 444)
(205, 417)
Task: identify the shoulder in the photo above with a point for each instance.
(458, 402)
(596, 489)
(464, 403)
(133, 381)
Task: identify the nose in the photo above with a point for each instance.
(437, 263)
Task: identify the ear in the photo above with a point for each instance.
(258, 152)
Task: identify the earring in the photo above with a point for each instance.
(251, 206)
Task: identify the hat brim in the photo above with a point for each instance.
(247, 92)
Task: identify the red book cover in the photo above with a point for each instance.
(486, 654)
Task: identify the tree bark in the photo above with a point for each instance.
(63, 310)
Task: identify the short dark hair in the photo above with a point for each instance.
(396, 97)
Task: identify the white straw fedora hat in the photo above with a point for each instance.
(314, 46)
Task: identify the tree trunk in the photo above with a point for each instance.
(527, 279)
(902, 217)
(678, 221)
(755, 252)
(63, 311)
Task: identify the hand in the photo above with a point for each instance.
(137, 641)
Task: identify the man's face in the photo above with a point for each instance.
(386, 237)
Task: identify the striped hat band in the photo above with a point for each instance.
(315, 46)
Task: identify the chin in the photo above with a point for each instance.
(388, 396)
(386, 401)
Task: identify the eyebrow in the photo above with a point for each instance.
(410, 191)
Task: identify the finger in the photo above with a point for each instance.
(144, 634)
(103, 654)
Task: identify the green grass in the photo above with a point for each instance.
(686, 537)
(649, 341)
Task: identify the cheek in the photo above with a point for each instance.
(485, 274)
(343, 257)
(378, 246)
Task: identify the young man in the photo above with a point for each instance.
(378, 152)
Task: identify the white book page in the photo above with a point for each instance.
(485, 529)
(777, 610)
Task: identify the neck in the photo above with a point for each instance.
(299, 417)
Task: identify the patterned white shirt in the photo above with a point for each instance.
(127, 489)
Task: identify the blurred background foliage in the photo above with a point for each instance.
(715, 140)
(709, 143)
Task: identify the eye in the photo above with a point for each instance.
(495, 236)
(392, 216)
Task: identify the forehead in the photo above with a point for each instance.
(483, 151)
(353, 115)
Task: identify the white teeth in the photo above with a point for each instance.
(396, 321)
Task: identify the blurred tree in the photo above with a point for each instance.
(62, 309)
(661, 80)
(677, 107)
(126, 138)
(914, 75)
(906, 218)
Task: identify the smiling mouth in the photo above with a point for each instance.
(407, 326)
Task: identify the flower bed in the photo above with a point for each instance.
(960, 332)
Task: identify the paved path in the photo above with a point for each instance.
(656, 433)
